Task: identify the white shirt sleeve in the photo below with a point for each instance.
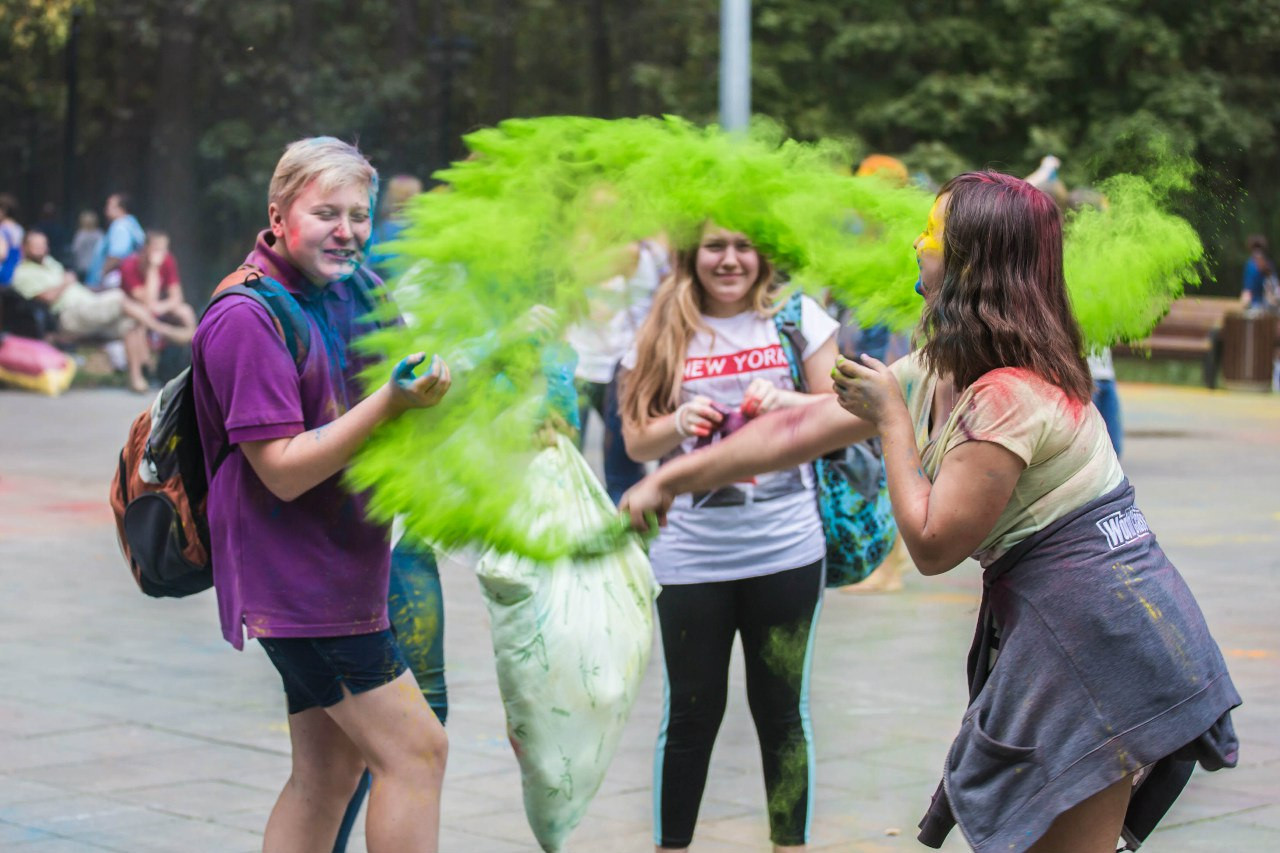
(817, 325)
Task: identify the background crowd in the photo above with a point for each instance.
(120, 287)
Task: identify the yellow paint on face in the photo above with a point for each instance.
(931, 239)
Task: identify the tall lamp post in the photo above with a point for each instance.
(69, 127)
(735, 64)
(447, 55)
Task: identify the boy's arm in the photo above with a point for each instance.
(289, 467)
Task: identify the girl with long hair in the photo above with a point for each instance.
(1095, 685)
(746, 559)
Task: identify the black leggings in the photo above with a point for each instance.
(775, 615)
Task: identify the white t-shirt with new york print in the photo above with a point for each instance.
(754, 528)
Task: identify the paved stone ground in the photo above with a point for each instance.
(127, 724)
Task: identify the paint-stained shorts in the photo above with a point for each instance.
(314, 669)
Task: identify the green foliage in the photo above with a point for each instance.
(1001, 84)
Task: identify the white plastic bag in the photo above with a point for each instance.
(571, 641)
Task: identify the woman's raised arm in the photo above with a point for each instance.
(780, 439)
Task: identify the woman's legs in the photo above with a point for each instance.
(178, 325)
(697, 622)
(621, 472)
(777, 616)
(1092, 826)
(1108, 403)
(590, 396)
(137, 352)
(415, 604)
(326, 767)
(405, 748)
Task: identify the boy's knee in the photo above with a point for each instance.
(429, 754)
(435, 749)
(332, 783)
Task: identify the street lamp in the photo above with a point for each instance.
(444, 56)
(735, 64)
(69, 126)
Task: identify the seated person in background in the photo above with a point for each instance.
(1260, 285)
(124, 237)
(10, 238)
(81, 312)
(84, 245)
(150, 277)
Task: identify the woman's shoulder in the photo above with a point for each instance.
(1022, 391)
(1014, 377)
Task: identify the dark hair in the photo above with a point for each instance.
(8, 205)
(1003, 300)
(123, 200)
(1257, 243)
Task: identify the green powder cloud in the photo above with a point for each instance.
(1126, 262)
(536, 217)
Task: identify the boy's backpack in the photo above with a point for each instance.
(159, 489)
(853, 492)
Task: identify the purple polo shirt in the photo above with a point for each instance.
(313, 566)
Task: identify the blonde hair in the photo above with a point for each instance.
(652, 388)
(330, 161)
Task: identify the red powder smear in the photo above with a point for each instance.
(1006, 385)
(92, 508)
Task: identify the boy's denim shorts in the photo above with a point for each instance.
(314, 669)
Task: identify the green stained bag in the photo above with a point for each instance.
(571, 641)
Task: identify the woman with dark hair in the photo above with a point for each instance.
(1094, 683)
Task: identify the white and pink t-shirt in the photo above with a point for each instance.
(765, 525)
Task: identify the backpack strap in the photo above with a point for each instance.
(794, 344)
(787, 321)
(285, 312)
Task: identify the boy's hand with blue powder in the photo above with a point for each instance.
(409, 391)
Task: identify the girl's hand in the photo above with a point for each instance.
(645, 500)
(540, 321)
(762, 396)
(866, 389)
(698, 417)
(419, 392)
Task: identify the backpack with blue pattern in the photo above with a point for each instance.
(853, 492)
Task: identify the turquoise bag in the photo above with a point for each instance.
(853, 492)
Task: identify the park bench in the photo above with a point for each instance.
(1191, 330)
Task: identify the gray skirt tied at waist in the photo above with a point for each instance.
(1104, 666)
